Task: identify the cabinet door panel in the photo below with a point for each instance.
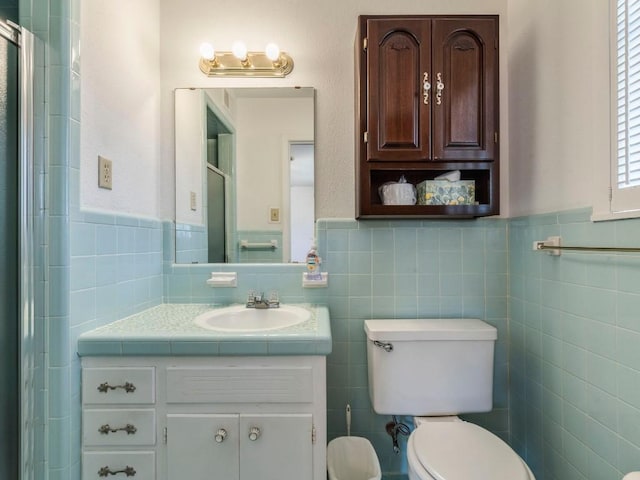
(398, 121)
(464, 60)
(282, 451)
(194, 454)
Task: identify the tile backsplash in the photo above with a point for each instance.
(574, 348)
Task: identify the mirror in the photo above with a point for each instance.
(244, 174)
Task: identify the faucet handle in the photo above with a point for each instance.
(251, 298)
(274, 299)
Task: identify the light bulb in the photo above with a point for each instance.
(272, 51)
(239, 50)
(207, 51)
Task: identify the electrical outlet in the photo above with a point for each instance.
(274, 215)
(105, 173)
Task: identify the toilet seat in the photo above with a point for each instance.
(461, 451)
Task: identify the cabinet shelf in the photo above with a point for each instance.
(426, 211)
(376, 174)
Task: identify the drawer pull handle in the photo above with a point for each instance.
(106, 429)
(106, 471)
(254, 433)
(127, 387)
(220, 435)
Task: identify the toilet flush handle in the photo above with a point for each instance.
(386, 346)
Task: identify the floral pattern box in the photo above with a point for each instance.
(446, 192)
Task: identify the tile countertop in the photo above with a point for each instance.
(168, 329)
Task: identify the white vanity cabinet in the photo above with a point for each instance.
(203, 418)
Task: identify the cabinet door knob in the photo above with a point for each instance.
(439, 88)
(254, 433)
(221, 435)
(426, 86)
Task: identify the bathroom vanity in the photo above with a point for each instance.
(169, 400)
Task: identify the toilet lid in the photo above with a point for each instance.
(462, 450)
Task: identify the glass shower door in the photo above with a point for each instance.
(10, 438)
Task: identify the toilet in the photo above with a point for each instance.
(433, 370)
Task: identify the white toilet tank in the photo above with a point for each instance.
(430, 366)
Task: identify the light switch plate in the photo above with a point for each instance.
(274, 215)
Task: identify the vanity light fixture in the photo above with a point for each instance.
(241, 63)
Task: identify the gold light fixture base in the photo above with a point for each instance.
(257, 64)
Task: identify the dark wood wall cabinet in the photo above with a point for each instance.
(426, 104)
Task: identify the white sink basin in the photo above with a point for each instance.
(238, 318)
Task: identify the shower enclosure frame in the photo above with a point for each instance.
(27, 354)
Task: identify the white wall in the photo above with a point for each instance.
(558, 62)
(303, 235)
(320, 37)
(120, 104)
(191, 155)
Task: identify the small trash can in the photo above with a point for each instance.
(352, 458)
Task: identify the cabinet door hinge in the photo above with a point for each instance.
(365, 137)
(610, 194)
(495, 137)
(313, 434)
(164, 435)
(365, 43)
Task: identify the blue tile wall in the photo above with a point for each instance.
(574, 343)
(259, 255)
(191, 245)
(52, 23)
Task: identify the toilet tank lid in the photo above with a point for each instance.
(429, 329)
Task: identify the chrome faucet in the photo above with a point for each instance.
(258, 300)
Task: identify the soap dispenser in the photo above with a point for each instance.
(313, 264)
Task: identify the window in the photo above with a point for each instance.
(625, 183)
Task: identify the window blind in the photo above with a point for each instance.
(628, 93)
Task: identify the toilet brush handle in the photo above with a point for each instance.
(348, 415)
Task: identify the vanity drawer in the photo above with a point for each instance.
(101, 427)
(118, 385)
(240, 385)
(100, 465)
